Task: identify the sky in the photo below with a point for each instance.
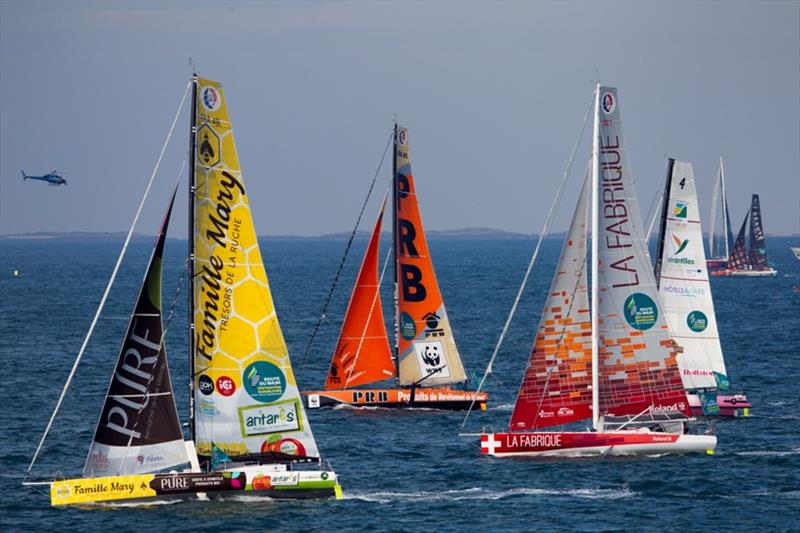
(493, 95)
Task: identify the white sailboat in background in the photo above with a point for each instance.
(682, 278)
(249, 430)
(611, 361)
(719, 245)
(751, 262)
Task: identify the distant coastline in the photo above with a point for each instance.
(462, 234)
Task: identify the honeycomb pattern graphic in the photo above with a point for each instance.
(233, 303)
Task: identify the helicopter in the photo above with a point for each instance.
(52, 178)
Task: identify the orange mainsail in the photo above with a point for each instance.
(427, 352)
(363, 354)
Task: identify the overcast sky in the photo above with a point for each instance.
(493, 94)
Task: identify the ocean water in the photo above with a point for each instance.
(401, 471)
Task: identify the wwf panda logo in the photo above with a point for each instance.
(431, 355)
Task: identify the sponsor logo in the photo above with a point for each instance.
(211, 98)
(546, 414)
(264, 381)
(608, 103)
(225, 386)
(286, 446)
(207, 407)
(63, 491)
(208, 146)
(680, 209)
(679, 246)
(150, 459)
(640, 311)
(408, 329)
(205, 384)
(100, 461)
(432, 325)
(431, 359)
(313, 401)
(402, 137)
(683, 291)
(658, 409)
(697, 372)
(697, 321)
(264, 419)
(565, 411)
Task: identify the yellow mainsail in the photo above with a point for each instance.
(246, 400)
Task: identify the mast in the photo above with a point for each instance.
(725, 219)
(595, 273)
(192, 137)
(396, 294)
(663, 225)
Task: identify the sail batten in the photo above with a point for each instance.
(427, 353)
(246, 401)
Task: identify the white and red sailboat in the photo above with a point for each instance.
(426, 363)
(611, 360)
(682, 276)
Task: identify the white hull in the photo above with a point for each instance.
(754, 273)
(591, 444)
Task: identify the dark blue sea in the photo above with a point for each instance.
(401, 471)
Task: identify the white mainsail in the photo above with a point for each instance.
(683, 283)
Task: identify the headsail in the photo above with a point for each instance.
(637, 365)
(738, 257)
(139, 430)
(427, 351)
(556, 386)
(683, 283)
(363, 354)
(246, 402)
(758, 244)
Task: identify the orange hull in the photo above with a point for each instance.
(429, 397)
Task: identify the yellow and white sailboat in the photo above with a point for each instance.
(249, 430)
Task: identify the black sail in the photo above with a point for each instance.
(139, 430)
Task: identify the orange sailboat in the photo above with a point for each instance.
(425, 362)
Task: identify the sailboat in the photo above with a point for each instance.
(719, 246)
(750, 262)
(796, 251)
(249, 430)
(425, 362)
(682, 278)
(612, 361)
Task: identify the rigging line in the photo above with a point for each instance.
(544, 232)
(347, 249)
(375, 299)
(653, 215)
(110, 283)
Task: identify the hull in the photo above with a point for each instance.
(583, 444)
(251, 480)
(730, 405)
(753, 273)
(716, 265)
(425, 398)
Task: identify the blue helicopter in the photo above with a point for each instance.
(52, 178)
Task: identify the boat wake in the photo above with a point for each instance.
(477, 493)
(502, 407)
(769, 453)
